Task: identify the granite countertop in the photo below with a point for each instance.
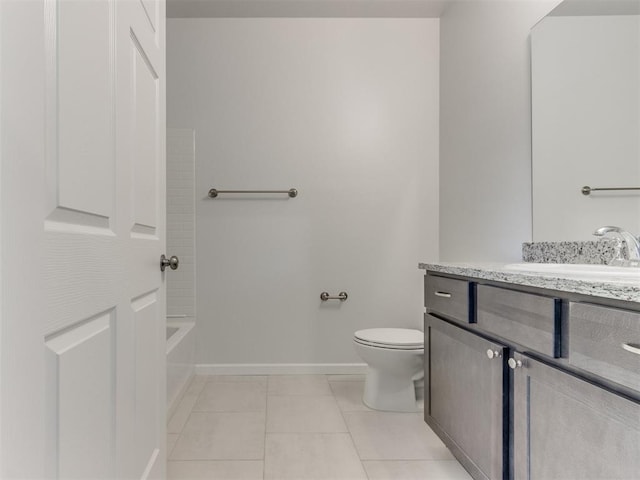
(619, 289)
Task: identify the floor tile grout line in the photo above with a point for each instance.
(344, 419)
(182, 399)
(343, 414)
(411, 460)
(190, 413)
(174, 445)
(266, 412)
(182, 429)
(210, 381)
(300, 395)
(332, 394)
(214, 460)
(186, 391)
(306, 433)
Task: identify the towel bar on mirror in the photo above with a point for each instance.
(586, 190)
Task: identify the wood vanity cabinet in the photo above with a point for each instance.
(464, 396)
(567, 428)
(533, 385)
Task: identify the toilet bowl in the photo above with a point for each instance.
(394, 357)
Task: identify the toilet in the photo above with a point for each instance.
(395, 362)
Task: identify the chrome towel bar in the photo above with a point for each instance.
(586, 190)
(342, 296)
(292, 192)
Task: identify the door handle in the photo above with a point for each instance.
(172, 262)
(438, 293)
(513, 363)
(491, 353)
(632, 347)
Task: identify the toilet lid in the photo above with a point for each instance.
(394, 337)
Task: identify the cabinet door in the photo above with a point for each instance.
(567, 428)
(464, 400)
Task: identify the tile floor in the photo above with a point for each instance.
(298, 427)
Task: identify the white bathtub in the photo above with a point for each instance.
(180, 360)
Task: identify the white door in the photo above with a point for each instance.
(93, 338)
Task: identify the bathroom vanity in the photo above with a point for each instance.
(533, 375)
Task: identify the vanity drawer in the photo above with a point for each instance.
(448, 297)
(532, 321)
(605, 341)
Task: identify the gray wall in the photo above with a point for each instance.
(346, 111)
(485, 122)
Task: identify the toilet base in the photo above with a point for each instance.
(391, 393)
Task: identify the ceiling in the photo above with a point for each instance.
(306, 8)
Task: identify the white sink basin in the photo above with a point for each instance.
(605, 272)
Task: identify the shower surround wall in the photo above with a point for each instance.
(344, 110)
(181, 283)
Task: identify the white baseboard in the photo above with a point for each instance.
(281, 368)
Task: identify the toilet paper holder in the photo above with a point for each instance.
(342, 296)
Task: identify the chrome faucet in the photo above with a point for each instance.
(631, 245)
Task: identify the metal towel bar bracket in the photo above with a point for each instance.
(586, 190)
(342, 296)
(292, 192)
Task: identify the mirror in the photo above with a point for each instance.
(585, 76)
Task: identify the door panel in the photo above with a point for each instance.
(81, 370)
(145, 319)
(151, 9)
(80, 265)
(141, 134)
(85, 108)
(145, 138)
(83, 319)
(80, 244)
(104, 234)
(81, 247)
